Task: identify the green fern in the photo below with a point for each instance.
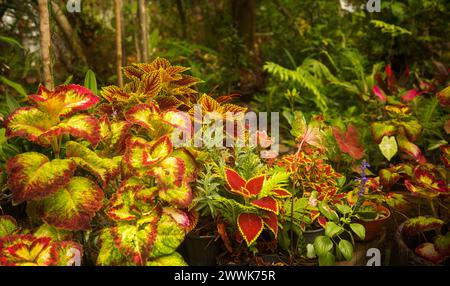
(390, 29)
(305, 76)
(276, 181)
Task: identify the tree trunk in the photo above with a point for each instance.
(44, 28)
(118, 12)
(137, 43)
(244, 14)
(69, 33)
(182, 14)
(143, 22)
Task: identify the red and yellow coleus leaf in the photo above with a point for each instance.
(250, 226)
(381, 129)
(30, 123)
(266, 203)
(445, 150)
(412, 129)
(444, 97)
(144, 115)
(428, 251)
(69, 253)
(410, 148)
(271, 221)
(180, 196)
(114, 94)
(426, 184)
(136, 240)
(73, 206)
(27, 250)
(140, 154)
(33, 176)
(242, 187)
(388, 177)
(190, 165)
(104, 169)
(255, 184)
(169, 235)
(81, 126)
(236, 182)
(131, 201)
(421, 224)
(349, 142)
(170, 172)
(64, 100)
(281, 193)
(109, 252)
(113, 134)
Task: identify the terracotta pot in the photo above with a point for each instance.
(374, 227)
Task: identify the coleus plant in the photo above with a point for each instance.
(19, 247)
(438, 250)
(262, 195)
(158, 82)
(149, 207)
(47, 184)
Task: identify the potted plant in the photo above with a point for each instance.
(367, 207)
(423, 240)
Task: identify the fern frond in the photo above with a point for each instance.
(276, 181)
(391, 29)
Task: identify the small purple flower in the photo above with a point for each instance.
(363, 179)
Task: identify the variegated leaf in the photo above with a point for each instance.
(250, 226)
(33, 176)
(30, 123)
(80, 126)
(104, 169)
(27, 250)
(65, 100)
(169, 235)
(74, 205)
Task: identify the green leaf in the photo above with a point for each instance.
(328, 212)
(16, 86)
(7, 225)
(322, 245)
(388, 147)
(343, 209)
(346, 248)
(327, 259)
(11, 41)
(174, 259)
(332, 229)
(68, 80)
(310, 252)
(90, 81)
(358, 229)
